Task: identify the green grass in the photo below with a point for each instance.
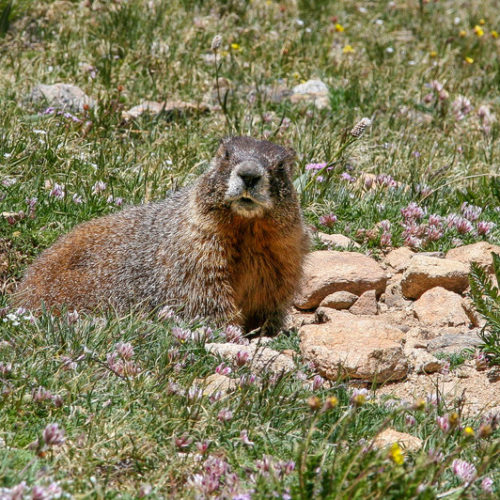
(121, 430)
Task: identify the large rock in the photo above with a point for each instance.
(61, 96)
(425, 273)
(328, 271)
(478, 252)
(339, 300)
(454, 343)
(361, 347)
(390, 436)
(313, 91)
(169, 108)
(366, 304)
(399, 258)
(337, 240)
(440, 307)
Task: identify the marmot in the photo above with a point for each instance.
(229, 248)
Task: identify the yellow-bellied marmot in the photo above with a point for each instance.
(228, 248)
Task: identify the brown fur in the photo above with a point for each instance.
(193, 252)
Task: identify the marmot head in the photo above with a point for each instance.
(251, 177)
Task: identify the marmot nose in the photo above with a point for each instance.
(250, 179)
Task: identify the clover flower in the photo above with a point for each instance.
(57, 191)
(328, 220)
(484, 228)
(225, 415)
(470, 212)
(53, 435)
(487, 485)
(461, 107)
(464, 470)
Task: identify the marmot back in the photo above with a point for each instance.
(229, 248)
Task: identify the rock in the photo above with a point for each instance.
(337, 240)
(422, 361)
(390, 436)
(452, 343)
(366, 304)
(339, 300)
(314, 91)
(260, 359)
(296, 319)
(477, 252)
(474, 317)
(393, 295)
(425, 273)
(399, 258)
(360, 347)
(61, 96)
(215, 382)
(328, 271)
(167, 107)
(440, 307)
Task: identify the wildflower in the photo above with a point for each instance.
(125, 350)
(463, 226)
(222, 369)
(202, 446)
(318, 381)
(462, 33)
(396, 454)
(435, 220)
(241, 358)
(347, 177)
(99, 187)
(77, 199)
(478, 31)
(5, 368)
(216, 42)
(464, 470)
(386, 239)
(469, 431)
(385, 180)
(328, 220)
(436, 456)
(412, 211)
(235, 46)
(57, 191)
(443, 423)
(194, 393)
(470, 212)
(72, 316)
(53, 435)
(46, 493)
(359, 397)
(494, 34)
(360, 127)
(41, 394)
(348, 49)
(487, 485)
(469, 60)
(244, 438)
(234, 334)
(183, 441)
(247, 380)
(484, 228)
(339, 28)
(225, 415)
(144, 490)
(331, 402)
(485, 430)
(433, 53)
(314, 403)
(181, 334)
(410, 420)
(316, 166)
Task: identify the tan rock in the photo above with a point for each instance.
(393, 295)
(440, 307)
(425, 273)
(339, 300)
(366, 304)
(475, 318)
(328, 271)
(169, 107)
(390, 436)
(61, 96)
(260, 358)
(215, 382)
(337, 240)
(421, 360)
(477, 252)
(361, 347)
(399, 258)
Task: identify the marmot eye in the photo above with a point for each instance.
(281, 165)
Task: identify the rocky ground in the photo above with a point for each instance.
(392, 325)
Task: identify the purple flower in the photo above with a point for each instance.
(77, 199)
(183, 441)
(225, 415)
(315, 166)
(471, 212)
(42, 493)
(412, 212)
(347, 177)
(241, 358)
(194, 393)
(99, 187)
(464, 470)
(124, 350)
(487, 485)
(318, 381)
(244, 438)
(435, 220)
(202, 446)
(222, 369)
(461, 107)
(443, 423)
(463, 226)
(410, 420)
(386, 239)
(57, 191)
(484, 228)
(53, 435)
(234, 334)
(328, 220)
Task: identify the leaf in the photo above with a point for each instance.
(4, 19)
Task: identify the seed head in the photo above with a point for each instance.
(216, 43)
(360, 127)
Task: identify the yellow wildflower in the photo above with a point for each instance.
(469, 431)
(224, 53)
(339, 28)
(469, 60)
(235, 46)
(314, 403)
(396, 454)
(482, 22)
(462, 33)
(478, 30)
(494, 34)
(296, 75)
(348, 49)
(331, 402)
(454, 419)
(16, 234)
(433, 53)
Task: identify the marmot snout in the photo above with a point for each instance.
(229, 248)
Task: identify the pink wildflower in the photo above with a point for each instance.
(53, 435)
(464, 470)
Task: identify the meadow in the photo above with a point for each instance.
(114, 407)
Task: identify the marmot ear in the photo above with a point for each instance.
(222, 151)
(291, 159)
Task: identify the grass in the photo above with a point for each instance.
(126, 430)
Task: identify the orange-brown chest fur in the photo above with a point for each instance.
(264, 264)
